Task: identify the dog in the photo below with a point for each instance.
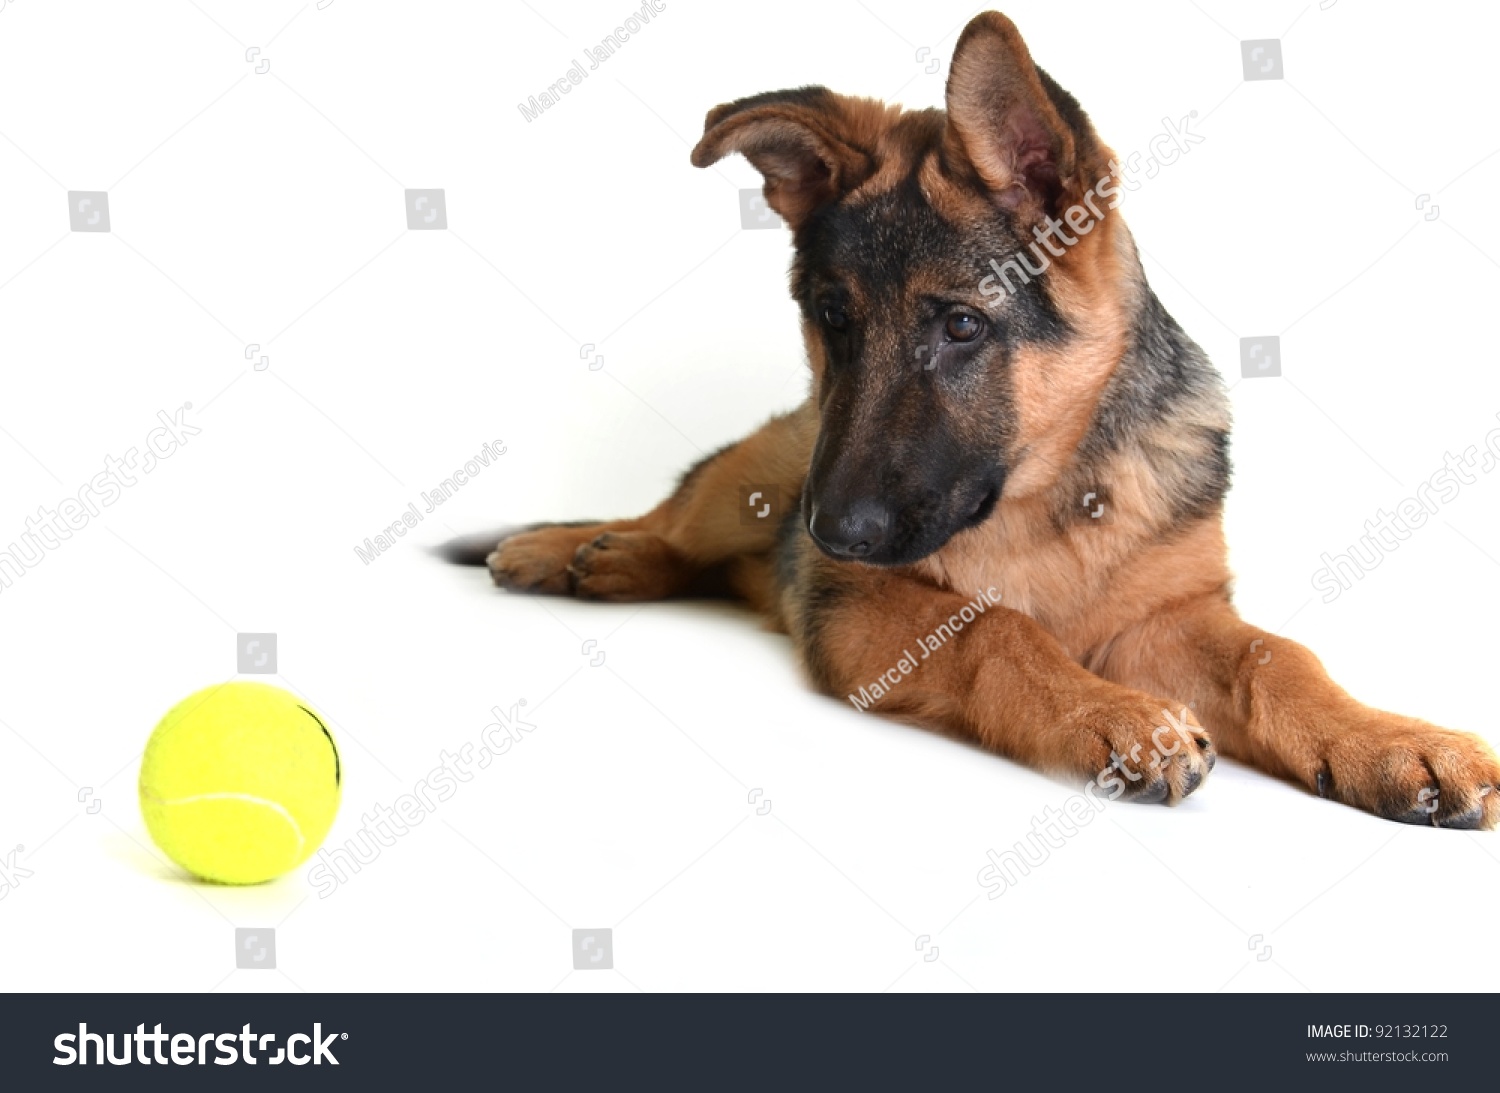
(1020, 470)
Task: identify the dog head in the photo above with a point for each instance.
(959, 276)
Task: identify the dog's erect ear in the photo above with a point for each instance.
(811, 145)
(1002, 118)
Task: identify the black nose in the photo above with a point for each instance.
(853, 533)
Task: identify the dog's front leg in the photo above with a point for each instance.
(1269, 702)
(910, 650)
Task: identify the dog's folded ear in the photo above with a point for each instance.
(1028, 140)
(811, 145)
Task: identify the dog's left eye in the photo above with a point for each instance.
(962, 327)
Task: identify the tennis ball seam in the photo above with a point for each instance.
(338, 766)
(279, 808)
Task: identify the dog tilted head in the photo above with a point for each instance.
(943, 311)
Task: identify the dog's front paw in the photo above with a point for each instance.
(1412, 772)
(1136, 748)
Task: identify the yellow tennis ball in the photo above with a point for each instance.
(240, 782)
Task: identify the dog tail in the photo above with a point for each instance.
(472, 549)
(475, 548)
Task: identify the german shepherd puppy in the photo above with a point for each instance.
(1030, 469)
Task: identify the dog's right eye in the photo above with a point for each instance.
(962, 327)
(835, 317)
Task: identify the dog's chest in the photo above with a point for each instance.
(1085, 582)
(1038, 571)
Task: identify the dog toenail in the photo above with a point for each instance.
(1472, 820)
(1153, 794)
(1418, 817)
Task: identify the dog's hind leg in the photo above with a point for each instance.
(725, 508)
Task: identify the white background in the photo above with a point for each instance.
(267, 209)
